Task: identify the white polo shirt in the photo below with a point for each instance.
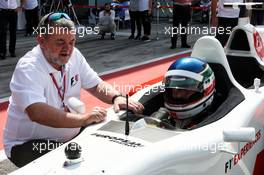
(143, 5)
(8, 4)
(30, 4)
(134, 5)
(31, 83)
(227, 12)
(112, 14)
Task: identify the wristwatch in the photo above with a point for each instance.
(115, 96)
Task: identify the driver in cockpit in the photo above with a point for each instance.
(189, 92)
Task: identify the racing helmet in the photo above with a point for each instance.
(189, 87)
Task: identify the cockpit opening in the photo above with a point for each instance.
(240, 41)
(227, 97)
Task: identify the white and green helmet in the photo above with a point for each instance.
(189, 87)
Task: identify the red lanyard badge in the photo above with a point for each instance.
(62, 90)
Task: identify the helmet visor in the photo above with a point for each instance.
(184, 83)
(181, 96)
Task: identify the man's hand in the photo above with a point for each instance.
(149, 12)
(120, 103)
(105, 92)
(19, 9)
(47, 115)
(97, 115)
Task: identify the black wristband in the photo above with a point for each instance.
(115, 96)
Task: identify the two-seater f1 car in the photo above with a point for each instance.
(228, 141)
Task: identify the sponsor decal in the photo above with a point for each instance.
(118, 140)
(74, 80)
(259, 168)
(258, 43)
(243, 151)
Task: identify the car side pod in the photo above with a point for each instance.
(243, 134)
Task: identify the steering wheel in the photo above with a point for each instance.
(131, 117)
(158, 123)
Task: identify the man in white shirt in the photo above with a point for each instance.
(106, 21)
(31, 14)
(8, 16)
(226, 18)
(43, 81)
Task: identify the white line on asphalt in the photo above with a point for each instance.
(2, 100)
(2, 155)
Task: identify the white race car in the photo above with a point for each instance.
(228, 141)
